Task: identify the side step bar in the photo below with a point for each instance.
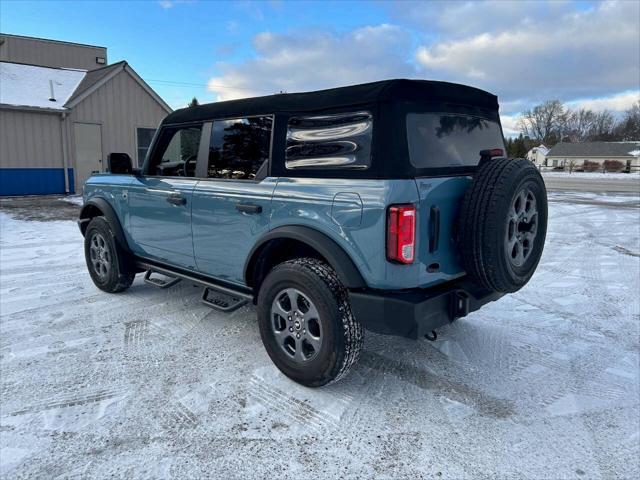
(227, 299)
(222, 302)
(158, 282)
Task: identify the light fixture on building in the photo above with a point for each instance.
(100, 60)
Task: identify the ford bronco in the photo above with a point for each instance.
(386, 206)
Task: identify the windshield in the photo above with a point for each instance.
(438, 140)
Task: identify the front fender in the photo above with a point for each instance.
(99, 206)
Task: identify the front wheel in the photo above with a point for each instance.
(103, 257)
(306, 323)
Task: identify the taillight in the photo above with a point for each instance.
(401, 233)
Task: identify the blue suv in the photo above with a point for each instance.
(386, 206)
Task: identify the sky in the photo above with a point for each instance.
(585, 53)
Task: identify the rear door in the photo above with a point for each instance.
(160, 202)
(232, 200)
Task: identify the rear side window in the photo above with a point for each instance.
(339, 141)
(239, 147)
(438, 140)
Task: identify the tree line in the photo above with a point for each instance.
(552, 122)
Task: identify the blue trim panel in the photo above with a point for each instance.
(34, 181)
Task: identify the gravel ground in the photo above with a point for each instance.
(151, 383)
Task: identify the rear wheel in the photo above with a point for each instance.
(306, 322)
(105, 258)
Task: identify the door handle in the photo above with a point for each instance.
(176, 199)
(248, 208)
(434, 234)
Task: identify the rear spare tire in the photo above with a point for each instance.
(503, 224)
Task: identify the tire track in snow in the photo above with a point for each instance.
(176, 417)
(293, 408)
(73, 401)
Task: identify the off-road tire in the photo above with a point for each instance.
(119, 276)
(482, 226)
(343, 335)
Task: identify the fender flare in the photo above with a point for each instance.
(333, 253)
(109, 213)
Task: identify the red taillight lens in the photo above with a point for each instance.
(401, 233)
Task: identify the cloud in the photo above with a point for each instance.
(593, 52)
(586, 54)
(510, 126)
(314, 60)
(447, 19)
(617, 103)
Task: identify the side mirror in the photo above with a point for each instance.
(120, 163)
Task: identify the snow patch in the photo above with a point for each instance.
(29, 85)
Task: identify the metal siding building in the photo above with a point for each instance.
(23, 159)
(50, 53)
(94, 113)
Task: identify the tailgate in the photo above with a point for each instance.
(440, 200)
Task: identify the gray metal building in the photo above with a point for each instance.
(61, 113)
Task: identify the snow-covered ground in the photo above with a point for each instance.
(151, 383)
(614, 177)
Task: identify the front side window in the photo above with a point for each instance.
(335, 141)
(143, 141)
(239, 147)
(440, 140)
(177, 152)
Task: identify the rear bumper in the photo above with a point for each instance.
(413, 313)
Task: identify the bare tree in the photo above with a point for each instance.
(629, 127)
(603, 127)
(572, 164)
(544, 122)
(579, 124)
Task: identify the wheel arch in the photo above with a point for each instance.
(100, 207)
(286, 237)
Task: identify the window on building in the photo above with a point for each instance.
(336, 141)
(143, 141)
(239, 147)
(176, 152)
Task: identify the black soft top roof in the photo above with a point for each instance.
(399, 90)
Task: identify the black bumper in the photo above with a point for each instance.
(413, 313)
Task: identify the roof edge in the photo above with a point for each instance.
(52, 40)
(76, 99)
(147, 88)
(28, 108)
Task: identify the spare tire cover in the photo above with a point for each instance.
(502, 224)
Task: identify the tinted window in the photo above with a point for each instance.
(450, 140)
(177, 152)
(329, 141)
(239, 147)
(144, 137)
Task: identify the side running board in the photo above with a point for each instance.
(160, 282)
(215, 295)
(222, 301)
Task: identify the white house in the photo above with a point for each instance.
(576, 154)
(538, 154)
